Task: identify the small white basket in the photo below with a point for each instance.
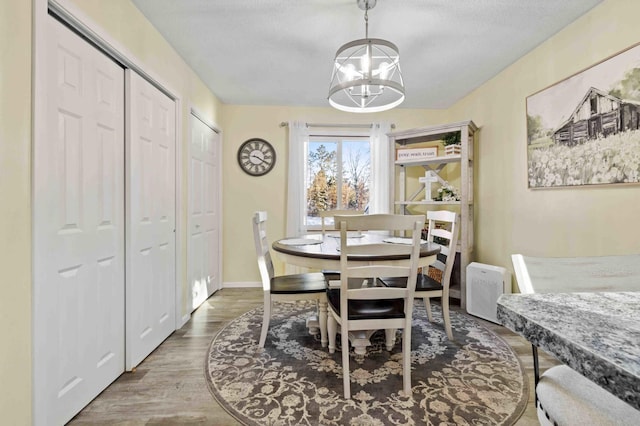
(452, 150)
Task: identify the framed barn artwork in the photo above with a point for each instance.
(585, 130)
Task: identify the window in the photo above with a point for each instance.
(337, 175)
(376, 153)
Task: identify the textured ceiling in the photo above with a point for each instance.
(280, 52)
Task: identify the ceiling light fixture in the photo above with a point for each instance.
(366, 73)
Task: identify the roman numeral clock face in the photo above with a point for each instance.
(256, 157)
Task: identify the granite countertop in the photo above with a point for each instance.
(596, 334)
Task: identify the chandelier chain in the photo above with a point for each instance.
(366, 21)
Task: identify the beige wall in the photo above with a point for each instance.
(595, 220)
(510, 218)
(244, 194)
(15, 211)
(121, 22)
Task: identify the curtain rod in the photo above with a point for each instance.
(353, 126)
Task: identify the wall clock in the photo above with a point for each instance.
(256, 157)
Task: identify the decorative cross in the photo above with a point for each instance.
(430, 177)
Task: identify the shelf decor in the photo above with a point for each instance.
(430, 177)
(585, 130)
(451, 142)
(447, 193)
(412, 154)
(452, 150)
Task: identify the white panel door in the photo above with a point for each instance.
(78, 193)
(150, 183)
(204, 217)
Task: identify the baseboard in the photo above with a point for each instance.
(242, 284)
(183, 321)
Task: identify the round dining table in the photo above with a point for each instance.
(318, 251)
(322, 252)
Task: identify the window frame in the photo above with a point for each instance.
(339, 138)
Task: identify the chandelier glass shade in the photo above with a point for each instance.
(366, 75)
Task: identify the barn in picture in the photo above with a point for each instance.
(598, 115)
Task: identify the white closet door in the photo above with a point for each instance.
(150, 182)
(204, 217)
(78, 192)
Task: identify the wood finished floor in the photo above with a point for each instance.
(168, 388)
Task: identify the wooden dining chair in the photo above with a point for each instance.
(327, 225)
(427, 287)
(370, 306)
(562, 395)
(286, 288)
(328, 214)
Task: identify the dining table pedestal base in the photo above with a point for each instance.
(361, 339)
(315, 323)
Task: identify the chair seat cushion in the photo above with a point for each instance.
(568, 397)
(298, 283)
(424, 283)
(367, 309)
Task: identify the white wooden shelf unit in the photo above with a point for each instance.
(401, 201)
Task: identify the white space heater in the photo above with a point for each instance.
(485, 284)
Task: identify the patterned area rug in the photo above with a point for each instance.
(475, 380)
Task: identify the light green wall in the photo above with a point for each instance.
(593, 220)
(244, 194)
(15, 212)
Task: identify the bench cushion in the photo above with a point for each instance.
(568, 398)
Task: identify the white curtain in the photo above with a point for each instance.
(380, 168)
(298, 141)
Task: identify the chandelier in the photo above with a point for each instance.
(366, 73)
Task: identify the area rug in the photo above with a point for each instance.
(474, 380)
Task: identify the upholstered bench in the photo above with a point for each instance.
(564, 396)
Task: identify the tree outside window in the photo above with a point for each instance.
(337, 177)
